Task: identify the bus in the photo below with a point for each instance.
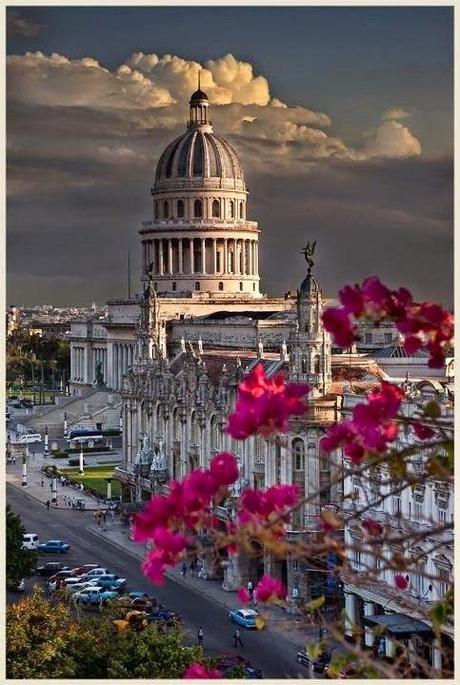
(84, 435)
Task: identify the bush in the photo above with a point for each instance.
(76, 462)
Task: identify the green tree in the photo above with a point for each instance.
(20, 563)
(152, 653)
(40, 639)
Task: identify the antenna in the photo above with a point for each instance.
(199, 79)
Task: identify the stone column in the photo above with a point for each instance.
(368, 634)
(192, 257)
(225, 269)
(214, 254)
(170, 257)
(203, 255)
(256, 257)
(120, 366)
(115, 367)
(389, 643)
(161, 260)
(127, 433)
(235, 256)
(350, 608)
(181, 257)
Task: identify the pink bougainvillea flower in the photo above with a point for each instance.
(198, 671)
(243, 596)
(401, 582)
(224, 468)
(265, 404)
(412, 344)
(372, 527)
(173, 543)
(269, 589)
(282, 497)
(422, 432)
(198, 489)
(154, 566)
(352, 300)
(157, 512)
(336, 321)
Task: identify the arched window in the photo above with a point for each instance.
(304, 366)
(232, 209)
(180, 209)
(298, 454)
(216, 209)
(197, 285)
(215, 434)
(221, 285)
(241, 286)
(198, 209)
(166, 209)
(241, 210)
(193, 429)
(156, 211)
(317, 364)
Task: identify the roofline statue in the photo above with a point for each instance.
(308, 252)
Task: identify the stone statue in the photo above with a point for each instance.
(99, 374)
(144, 453)
(242, 483)
(260, 349)
(284, 350)
(200, 346)
(159, 456)
(308, 252)
(182, 344)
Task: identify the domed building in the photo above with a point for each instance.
(200, 239)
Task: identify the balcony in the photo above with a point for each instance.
(187, 224)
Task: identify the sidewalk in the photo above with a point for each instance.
(35, 490)
(287, 625)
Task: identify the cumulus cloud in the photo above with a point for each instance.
(19, 25)
(394, 114)
(393, 139)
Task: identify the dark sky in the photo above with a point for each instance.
(342, 118)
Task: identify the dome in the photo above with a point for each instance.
(198, 95)
(309, 286)
(198, 154)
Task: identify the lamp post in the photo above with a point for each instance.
(109, 488)
(121, 421)
(80, 470)
(54, 490)
(65, 424)
(24, 467)
(46, 452)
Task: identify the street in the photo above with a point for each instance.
(275, 655)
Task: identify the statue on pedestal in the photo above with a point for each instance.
(144, 455)
(99, 374)
(159, 456)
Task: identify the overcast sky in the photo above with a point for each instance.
(342, 118)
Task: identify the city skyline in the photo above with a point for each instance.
(360, 161)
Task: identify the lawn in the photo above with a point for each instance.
(94, 477)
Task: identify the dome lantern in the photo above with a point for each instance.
(199, 109)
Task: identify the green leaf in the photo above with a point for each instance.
(314, 649)
(315, 604)
(432, 410)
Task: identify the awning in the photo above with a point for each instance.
(398, 625)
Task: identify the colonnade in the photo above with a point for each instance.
(176, 256)
(122, 360)
(78, 363)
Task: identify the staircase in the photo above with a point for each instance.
(95, 405)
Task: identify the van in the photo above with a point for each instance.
(29, 438)
(30, 541)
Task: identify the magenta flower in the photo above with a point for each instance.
(154, 566)
(336, 321)
(269, 589)
(243, 596)
(224, 468)
(401, 581)
(372, 527)
(173, 543)
(422, 432)
(198, 671)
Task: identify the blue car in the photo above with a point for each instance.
(244, 617)
(54, 547)
(111, 581)
(95, 595)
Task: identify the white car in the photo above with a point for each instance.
(80, 587)
(30, 541)
(94, 573)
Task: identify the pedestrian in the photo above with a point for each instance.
(183, 569)
(69, 502)
(48, 503)
(250, 587)
(51, 486)
(200, 636)
(104, 520)
(192, 568)
(43, 482)
(237, 638)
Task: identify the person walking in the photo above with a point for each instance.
(104, 519)
(200, 636)
(237, 638)
(183, 569)
(43, 482)
(192, 568)
(48, 503)
(250, 587)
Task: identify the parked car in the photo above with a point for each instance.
(165, 615)
(94, 573)
(62, 575)
(144, 603)
(95, 595)
(30, 541)
(85, 568)
(111, 580)
(50, 569)
(54, 547)
(244, 617)
(228, 662)
(79, 587)
(135, 594)
(319, 663)
(19, 587)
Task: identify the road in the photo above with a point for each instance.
(275, 655)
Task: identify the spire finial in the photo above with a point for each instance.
(199, 78)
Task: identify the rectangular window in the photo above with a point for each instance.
(418, 512)
(396, 505)
(443, 582)
(368, 338)
(442, 516)
(419, 580)
(388, 338)
(357, 556)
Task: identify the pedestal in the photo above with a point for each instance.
(232, 576)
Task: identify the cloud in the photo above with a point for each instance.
(394, 114)
(393, 139)
(18, 25)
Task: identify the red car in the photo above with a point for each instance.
(81, 570)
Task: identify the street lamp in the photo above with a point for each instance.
(54, 489)
(24, 467)
(80, 470)
(46, 452)
(109, 488)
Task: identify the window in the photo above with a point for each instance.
(396, 502)
(317, 364)
(180, 208)
(198, 209)
(241, 210)
(298, 453)
(156, 211)
(166, 209)
(356, 555)
(155, 286)
(442, 516)
(418, 511)
(216, 208)
(368, 338)
(419, 579)
(197, 285)
(232, 209)
(174, 286)
(388, 338)
(221, 285)
(443, 581)
(241, 286)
